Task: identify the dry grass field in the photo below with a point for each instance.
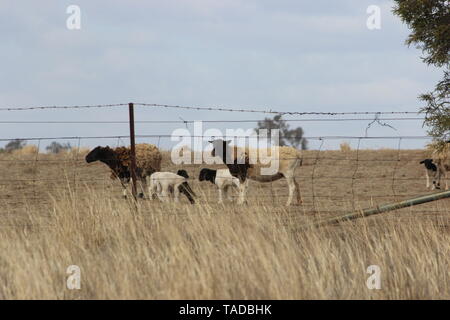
(57, 211)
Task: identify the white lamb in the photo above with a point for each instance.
(222, 178)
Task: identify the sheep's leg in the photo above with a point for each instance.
(236, 185)
(446, 180)
(297, 188)
(176, 194)
(437, 180)
(220, 196)
(163, 195)
(438, 184)
(242, 191)
(291, 185)
(428, 179)
(152, 192)
(227, 193)
(140, 183)
(124, 189)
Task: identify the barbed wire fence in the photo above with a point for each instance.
(336, 177)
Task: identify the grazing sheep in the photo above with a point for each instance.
(287, 160)
(166, 184)
(148, 161)
(222, 178)
(436, 171)
(431, 170)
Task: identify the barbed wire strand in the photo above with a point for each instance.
(63, 107)
(271, 111)
(200, 108)
(204, 121)
(210, 136)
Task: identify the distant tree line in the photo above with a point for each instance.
(17, 144)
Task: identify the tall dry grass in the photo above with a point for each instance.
(208, 251)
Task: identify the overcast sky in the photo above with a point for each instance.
(280, 54)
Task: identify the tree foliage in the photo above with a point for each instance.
(56, 147)
(15, 145)
(293, 137)
(437, 111)
(429, 21)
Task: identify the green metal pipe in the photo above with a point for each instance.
(385, 208)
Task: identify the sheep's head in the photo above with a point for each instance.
(203, 174)
(124, 174)
(429, 165)
(207, 175)
(427, 161)
(183, 173)
(219, 148)
(99, 153)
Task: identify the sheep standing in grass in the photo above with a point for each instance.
(222, 178)
(148, 161)
(438, 167)
(286, 160)
(436, 170)
(166, 184)
(431, 170)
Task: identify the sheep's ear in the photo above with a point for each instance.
(210, 141)
(228, 141)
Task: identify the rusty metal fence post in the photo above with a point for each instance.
(133, 151)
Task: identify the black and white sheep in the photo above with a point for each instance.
(148, 161)
(284, 159)
(222, 178)
(436, 170)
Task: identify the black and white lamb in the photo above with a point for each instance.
(222, 178)
(436, 170)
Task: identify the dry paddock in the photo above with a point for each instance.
(58, 211)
